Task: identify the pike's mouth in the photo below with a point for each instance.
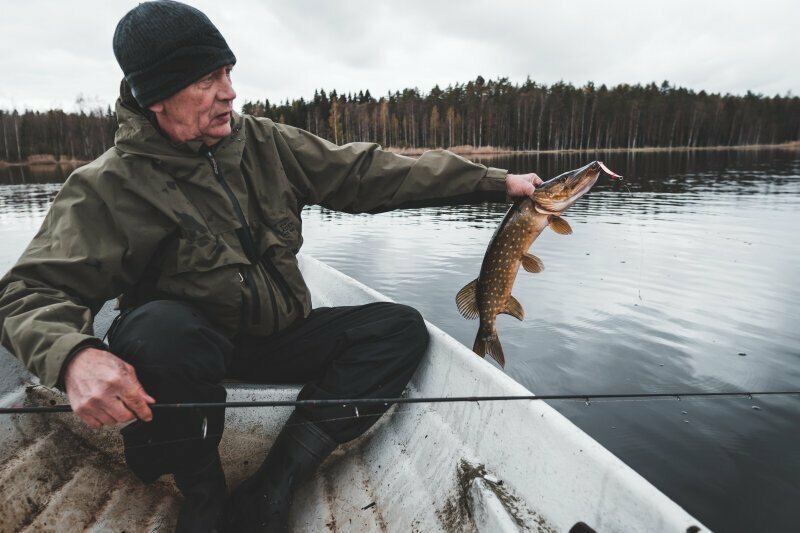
(558, 194)
(550, 205)
(583, 188)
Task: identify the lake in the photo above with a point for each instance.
(686, 281)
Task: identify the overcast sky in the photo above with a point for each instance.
(51, 51)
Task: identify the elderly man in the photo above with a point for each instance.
(192, 219)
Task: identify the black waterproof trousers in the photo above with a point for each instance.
(367, 351)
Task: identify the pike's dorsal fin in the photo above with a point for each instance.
(466, 302)
(531, 263)
(560, 225)
(514, 308)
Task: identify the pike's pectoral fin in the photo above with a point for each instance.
(514, 308)
(560, 225)
(490, 345)
(466, 302)
(531, 263)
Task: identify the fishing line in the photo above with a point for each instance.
(604, 398)
(617, 179)
(239, 437)
(600, 398)
(641, 238)
(356, 402)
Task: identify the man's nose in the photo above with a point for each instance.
(226, 91)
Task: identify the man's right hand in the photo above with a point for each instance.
(103, 389)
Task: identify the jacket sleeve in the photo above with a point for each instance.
(362, 177)
(82, 256)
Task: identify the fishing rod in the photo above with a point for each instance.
(357, 402)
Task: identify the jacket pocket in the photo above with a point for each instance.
(278, 242)
(205, 272)
(206, 253)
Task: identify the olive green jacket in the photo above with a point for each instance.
(218, 228)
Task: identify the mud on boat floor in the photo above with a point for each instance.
(458, 512)
(53, 480)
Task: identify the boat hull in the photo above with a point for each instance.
(493, 466)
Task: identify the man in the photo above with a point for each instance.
(193, 220)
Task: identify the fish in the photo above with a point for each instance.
(490, 293)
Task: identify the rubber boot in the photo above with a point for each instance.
(262, 502)
(204, 493)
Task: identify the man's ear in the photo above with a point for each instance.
(158, 107)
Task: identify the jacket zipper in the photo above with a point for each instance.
(246, 240)
(255, 309)
(283, 287)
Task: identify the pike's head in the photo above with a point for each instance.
(558, 194)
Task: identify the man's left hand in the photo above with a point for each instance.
(522, 184)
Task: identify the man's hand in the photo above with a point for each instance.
(522, 184)
(103, 389)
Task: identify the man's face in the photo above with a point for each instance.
(201, 111)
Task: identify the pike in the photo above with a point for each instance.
(490, 294)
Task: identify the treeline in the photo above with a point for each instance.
(75, 136)
(480, 113)
(532, 116)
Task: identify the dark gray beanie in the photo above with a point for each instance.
(165, 46)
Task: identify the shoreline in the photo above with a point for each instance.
(489, 151)
(63, 162)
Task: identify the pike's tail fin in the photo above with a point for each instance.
(490, 345)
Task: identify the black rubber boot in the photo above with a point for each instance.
(204, 493)
(262, 502)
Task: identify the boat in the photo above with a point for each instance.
(485, 466)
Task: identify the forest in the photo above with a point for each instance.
(56, 135)
(480, 113)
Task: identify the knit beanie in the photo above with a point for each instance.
(164, 46)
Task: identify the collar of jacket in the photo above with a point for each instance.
(183, 160)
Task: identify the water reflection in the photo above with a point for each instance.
(26, 174)
(20, 200)
(674, 172)
(658, 289)
(687, 282)
(22, 208)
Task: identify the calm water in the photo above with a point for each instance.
(689, 282)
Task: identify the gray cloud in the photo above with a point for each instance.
(52, 51)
